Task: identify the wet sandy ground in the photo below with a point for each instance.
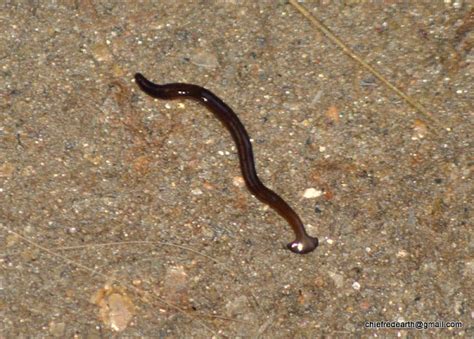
(123, 214)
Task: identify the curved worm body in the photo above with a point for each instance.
(303, 242)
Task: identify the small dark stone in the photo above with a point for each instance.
(70, 145)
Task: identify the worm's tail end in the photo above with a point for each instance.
(146, 85)
(153, 90)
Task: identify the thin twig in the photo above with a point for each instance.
(412, 102)
(144, 242)
(102, 275)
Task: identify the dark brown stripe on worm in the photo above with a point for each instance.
(303, 242)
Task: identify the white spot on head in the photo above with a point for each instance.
(298, 246)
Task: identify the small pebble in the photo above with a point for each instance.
(196, 191)
(401, 254)
(420, 129)
(332, 114)
(204, 59)
(101, 52)
(312, 193)
(238, 181)
(337, 278)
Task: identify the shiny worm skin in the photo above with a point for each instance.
(303, 243)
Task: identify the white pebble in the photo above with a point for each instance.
(196, 191)
(238, 181)
(312, 193)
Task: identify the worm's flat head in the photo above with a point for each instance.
(303, 246)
